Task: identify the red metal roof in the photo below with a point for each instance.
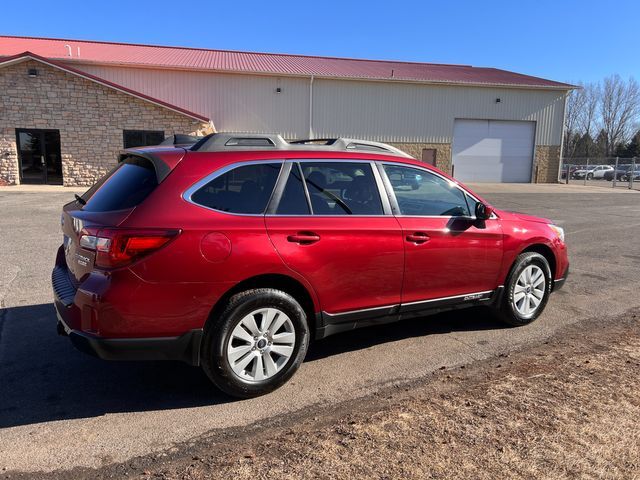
(266, 63)
(4, 61)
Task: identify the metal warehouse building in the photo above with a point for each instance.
(67, 107)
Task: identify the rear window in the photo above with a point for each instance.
(124, 187)
(245, 189)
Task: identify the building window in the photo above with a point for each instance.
(142, 138)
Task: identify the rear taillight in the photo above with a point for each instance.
(119, 247)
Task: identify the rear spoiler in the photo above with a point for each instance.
(164, 160)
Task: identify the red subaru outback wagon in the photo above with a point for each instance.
(234, 253)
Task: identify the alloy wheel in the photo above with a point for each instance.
(261, 344)
(529, 290)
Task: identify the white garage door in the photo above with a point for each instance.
(493, 150)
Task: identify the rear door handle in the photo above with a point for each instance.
(304, 238)
(418, 237)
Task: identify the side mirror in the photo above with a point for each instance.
(483, 212)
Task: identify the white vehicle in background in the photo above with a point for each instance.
(592, 172)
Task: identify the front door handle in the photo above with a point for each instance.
(304, 238)
(418, 237)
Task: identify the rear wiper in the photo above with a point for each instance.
(80, 200)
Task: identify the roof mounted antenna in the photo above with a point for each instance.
(68, 47)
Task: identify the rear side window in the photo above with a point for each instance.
(124, 187)
(342, 188)
(244, 189)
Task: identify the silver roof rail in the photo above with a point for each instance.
(229, 141)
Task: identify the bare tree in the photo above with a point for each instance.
(619, 109)
(572, 114)
(588, 116)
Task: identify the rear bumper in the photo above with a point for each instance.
(185, 348)
(74, 316)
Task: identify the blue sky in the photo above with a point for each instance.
(561, 40)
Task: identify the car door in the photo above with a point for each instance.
(448, 252)
(330, 224)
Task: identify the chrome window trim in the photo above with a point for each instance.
(188, 193)
(380, 183)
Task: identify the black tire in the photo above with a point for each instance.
(590, 176)
(506, 309)
(218, 331)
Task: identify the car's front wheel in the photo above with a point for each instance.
(256, 344)
(527, 289)
(590, 176)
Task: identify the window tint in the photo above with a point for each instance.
(124, 187)
(342, 188)
(422, 193)
(142, 138)
(293, 200)
(245, 189)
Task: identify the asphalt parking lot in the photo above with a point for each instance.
(60, 409)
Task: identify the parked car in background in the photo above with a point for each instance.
(592, 172)
(626, 175)
(236, 252)
(618, 173)
(571, 168)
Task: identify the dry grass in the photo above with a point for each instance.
(567, 409)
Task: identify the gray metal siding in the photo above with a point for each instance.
(381, 111)
(233, 102)
(415, 113)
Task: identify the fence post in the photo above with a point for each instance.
(615, 173)
(586, 172)
(566, 177)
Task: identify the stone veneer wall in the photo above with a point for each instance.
(443, 152)
(547, 163)
(91, 119)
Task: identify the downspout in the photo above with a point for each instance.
(311, 107)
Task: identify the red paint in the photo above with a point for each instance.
(344, 263)
(270, 63)
(215, 247)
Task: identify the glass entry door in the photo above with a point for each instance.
(39, 155)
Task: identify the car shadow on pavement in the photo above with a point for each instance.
(44, 378)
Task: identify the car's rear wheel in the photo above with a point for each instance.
(256, 344)
(527, 289)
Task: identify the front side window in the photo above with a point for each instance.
(419, 192)
(342, 188)
(245, 189)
